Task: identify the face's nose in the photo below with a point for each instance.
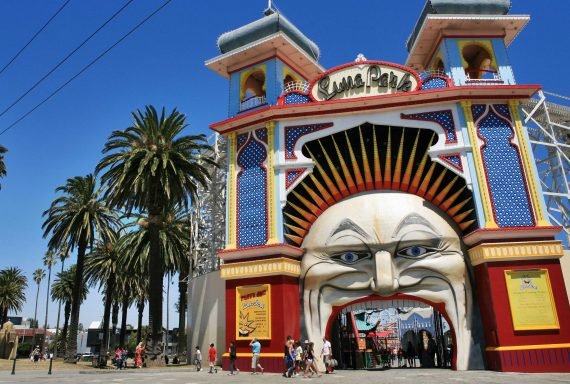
(384, 279)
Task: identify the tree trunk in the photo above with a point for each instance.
(182, 291)
(58, 314)
(154, 345)
(66, 315)
(71, 349)
(140, 306)
(114, 321)
(106, 317)
(36, 312)
(47, 297)
(125, 308)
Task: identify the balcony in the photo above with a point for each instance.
(483, 77)
(296, 86)
(252, 102)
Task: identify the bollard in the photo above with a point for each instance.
(50, 362)
(14, 367)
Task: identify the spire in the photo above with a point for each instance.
(270, 8)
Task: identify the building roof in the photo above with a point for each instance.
(458, 7)
(273, 22)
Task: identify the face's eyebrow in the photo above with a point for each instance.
(349, 225)
(414, 219)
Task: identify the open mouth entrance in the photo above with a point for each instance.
(377, 333)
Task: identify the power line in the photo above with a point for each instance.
(34, 37)
(66, 58)
(87, 66)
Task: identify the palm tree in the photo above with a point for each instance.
(13, 284)
(150, 166)
(102, 268)
(62, 290)
(38, 276)
(49, 261)
(78, 219)
(63, 254)
(174, 238)
(3, 150)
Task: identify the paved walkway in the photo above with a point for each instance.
(183, 375)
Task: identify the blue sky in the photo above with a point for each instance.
(162, 64)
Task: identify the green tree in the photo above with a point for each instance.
(38, 276)
(102, 269)
(49, 261)
(77, 219)
(62, 290)
(174, 237)
(13, 284)
(149, 166)
(3, 173)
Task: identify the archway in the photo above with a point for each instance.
(378, 218)
(379, 333)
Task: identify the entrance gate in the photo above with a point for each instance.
(374, 334)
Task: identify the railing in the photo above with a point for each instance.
(432, 73)
(296, 86)
(487, 77)
(252, 102)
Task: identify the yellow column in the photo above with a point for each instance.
(232, 195)
(531, 177)
(271, 217)
(483, 187)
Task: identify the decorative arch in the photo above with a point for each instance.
(253, 82)
(473, 53)
(374, 158)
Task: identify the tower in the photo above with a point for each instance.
(260, 61)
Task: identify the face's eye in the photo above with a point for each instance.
(350, 257)
(414, 251)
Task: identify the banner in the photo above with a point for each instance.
(253, 312)
(531, 301)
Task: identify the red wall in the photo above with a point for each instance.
(498, 322)
(285, 312)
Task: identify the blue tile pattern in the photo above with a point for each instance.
(434, 83)
(292, 175)
(262, 134)
(477, 110)
(454, 160)
(507, 183)
(252, 195)
(443, 118)
(292, 134)
(503, 110)
(241, 139)
(297, 98)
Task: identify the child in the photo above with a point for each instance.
(198, 359)
(212, 357)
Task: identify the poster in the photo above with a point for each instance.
(253, 312)
(531, 301)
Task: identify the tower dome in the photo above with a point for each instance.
(273, 22)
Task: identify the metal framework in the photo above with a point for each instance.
(548, 126)
(208, 213)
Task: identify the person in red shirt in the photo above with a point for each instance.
(212, 357)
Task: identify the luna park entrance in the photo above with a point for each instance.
(383, 334)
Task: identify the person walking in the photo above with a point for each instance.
(198, 359)
(139, 353)
(233, 356)
(411, 355)
(256, 352)
(289, 356)
(212, 357)
(298, 357)
(326, 353)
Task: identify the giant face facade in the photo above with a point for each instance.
(383, 244)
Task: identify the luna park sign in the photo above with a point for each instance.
(363, 79)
